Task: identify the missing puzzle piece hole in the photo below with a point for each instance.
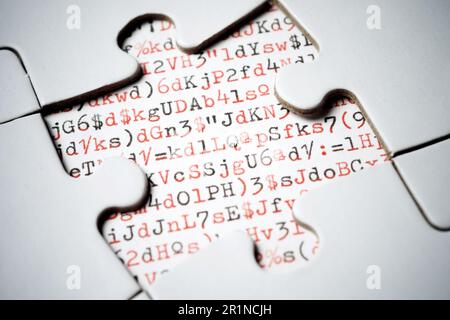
(301, 247)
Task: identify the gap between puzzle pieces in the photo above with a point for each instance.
(49, 235)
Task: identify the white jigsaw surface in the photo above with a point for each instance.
(426, 172)
(398, 73)
(388, 238)
(41, 237)
(47, 244)
(36, 29)
(13, 79)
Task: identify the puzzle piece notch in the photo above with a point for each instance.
(387, 235)
(77, 71)
(17, 94)
(426, 172)
(396, 72)
(49, 233)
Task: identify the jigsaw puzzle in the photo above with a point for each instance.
(65, 212)
(220, 152)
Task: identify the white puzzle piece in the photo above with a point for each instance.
(392, 60)
(84, 33)
(379, 247)
(16, 91)
(49, 232)
(50, 242)
(426, 172)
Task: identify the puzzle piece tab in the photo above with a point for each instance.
(49, 236)
(49, 233)
(79, 32)
(394, 67)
